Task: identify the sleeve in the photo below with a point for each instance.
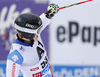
(45, 21)
(14, 61)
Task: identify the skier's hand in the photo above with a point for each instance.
(52, 10)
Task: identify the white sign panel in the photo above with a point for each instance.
(75, 34)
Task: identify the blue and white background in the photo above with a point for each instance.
(72, 39)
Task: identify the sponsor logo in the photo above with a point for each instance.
(87, 34)
(76, 71)
(29, 25)
(15, 58)
(39, 74)
(34, 69)
(13, 70)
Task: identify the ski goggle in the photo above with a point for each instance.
(31, 31)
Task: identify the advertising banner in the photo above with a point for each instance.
(9, 10)
(76, 71)
(75, 34)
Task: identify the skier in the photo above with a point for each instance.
(28, 53)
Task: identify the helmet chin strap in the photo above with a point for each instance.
(31, 41)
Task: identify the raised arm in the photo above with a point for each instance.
(47, 16)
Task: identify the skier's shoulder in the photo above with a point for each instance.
(16, 46)
(16, 54)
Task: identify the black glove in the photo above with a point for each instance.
(52, 10)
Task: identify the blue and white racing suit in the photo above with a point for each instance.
(32, 61)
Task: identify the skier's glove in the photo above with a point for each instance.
(52, 10)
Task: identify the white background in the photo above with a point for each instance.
(76, 52)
